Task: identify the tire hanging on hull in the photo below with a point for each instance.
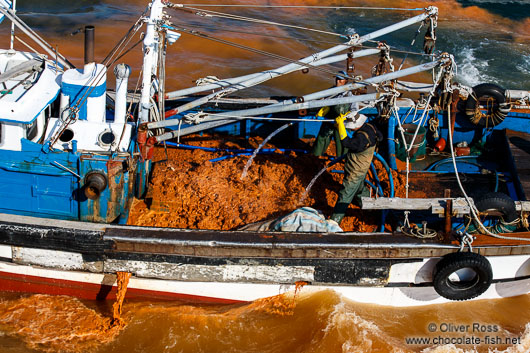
(493, 100)
(462, 276)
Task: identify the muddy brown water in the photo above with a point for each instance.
(491, 42)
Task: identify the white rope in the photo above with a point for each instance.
(431, 94)
(472, 208)
(409, 148)
(207, 80)
(178, 132)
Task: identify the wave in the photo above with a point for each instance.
(308, 322)
(55, 324)
(472, 71)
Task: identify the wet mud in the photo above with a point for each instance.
(187, 190)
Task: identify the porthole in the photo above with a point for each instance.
(66, 136)
(106, 138)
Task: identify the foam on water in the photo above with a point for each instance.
(356, 333)
(524, 67)
(471, 70)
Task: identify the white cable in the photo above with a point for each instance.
(472, 207)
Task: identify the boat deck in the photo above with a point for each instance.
(519, 143)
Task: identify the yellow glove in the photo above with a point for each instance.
(322, 112)
(340, 125)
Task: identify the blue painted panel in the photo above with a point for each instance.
(54, 194)
(15, 191)
(38, 194)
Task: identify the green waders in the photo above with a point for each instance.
(325, 134)
(328, 130)
(355, 169)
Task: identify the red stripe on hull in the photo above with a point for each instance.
(13, 282)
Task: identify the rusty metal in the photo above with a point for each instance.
(429, 42)
(448, 228)
(95, 184)
(350, 66)
(145, 144)
(381, 67)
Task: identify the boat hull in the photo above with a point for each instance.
(82, 259)
(96, 286)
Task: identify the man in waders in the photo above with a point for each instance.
(328, 130)
(353, 137)
(360, 146)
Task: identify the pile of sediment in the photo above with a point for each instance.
(189, 191)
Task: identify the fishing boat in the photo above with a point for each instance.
(74, 155)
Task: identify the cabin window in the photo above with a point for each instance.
(53, 110)
(31, 130)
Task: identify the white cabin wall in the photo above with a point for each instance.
(10, 136)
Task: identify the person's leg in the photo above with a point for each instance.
(355, 169)
(323, 139)
(339, 148)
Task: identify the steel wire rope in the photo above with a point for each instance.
(134, 27)
(307, 39)
(95, 81)
(249, 19)
(305, 7)
(411, 44)
(265, 35)
(250, 49)
(42, 56)
(11, 15)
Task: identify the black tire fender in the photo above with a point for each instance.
(497, 201)
(496, 113)
(451, 289)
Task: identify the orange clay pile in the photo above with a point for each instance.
(188, 191)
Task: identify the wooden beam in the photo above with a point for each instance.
(436, 205)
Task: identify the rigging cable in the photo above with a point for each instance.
(209, 13)
(93, 83)
(305, 7)
(361, 46)
(250, 49)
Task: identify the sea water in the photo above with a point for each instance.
(491, 43)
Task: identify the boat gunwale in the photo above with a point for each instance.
(105, 240)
